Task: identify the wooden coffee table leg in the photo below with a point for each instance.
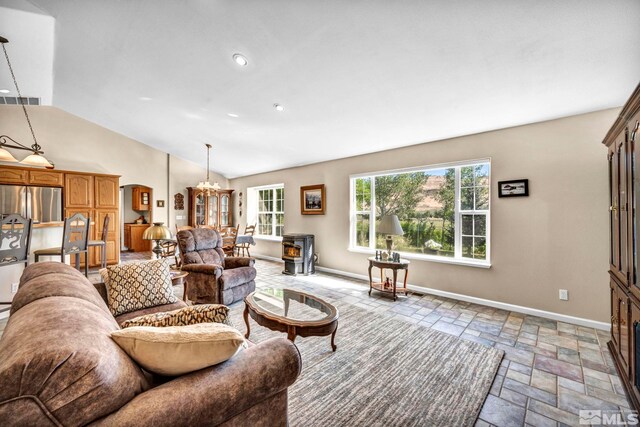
(291, 333)
(370, 279)
(333, 338)
(246, 319)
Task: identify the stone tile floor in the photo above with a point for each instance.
(551, 369)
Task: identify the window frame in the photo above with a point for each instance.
(458, 212)
(257, 212)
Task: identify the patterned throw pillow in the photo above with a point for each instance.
(205, 313)
(139, 285)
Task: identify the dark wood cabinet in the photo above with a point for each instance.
(623, 152)
(213, 209)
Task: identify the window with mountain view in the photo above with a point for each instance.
(444, 211)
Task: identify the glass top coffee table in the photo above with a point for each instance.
(294, 312)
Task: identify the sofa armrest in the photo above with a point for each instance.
(216, 394)
(235, 262)
(211, 269)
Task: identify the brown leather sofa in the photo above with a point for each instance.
(214, 278)
(59, 367)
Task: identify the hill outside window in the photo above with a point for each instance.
(444, 211)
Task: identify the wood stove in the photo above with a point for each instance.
(298, 254)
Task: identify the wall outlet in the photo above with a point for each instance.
(564, 294)
(14, 288)
(179, 217)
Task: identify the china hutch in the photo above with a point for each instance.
(623, 154)
(211, 209)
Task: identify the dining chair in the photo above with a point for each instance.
(168, 249)
(15, 241)
(183, 227)
(229, 240)
(249, 230)
(74, 242)
(102, 243)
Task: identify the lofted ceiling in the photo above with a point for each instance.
(353, 76)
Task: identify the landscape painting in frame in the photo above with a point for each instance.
(513, 188)
(312, 200)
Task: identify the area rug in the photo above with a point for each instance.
(385, 372)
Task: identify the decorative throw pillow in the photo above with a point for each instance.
(191, 315)
(139, 285)
(176, 350)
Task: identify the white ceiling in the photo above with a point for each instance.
(354, 76)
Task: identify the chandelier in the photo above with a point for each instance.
(34, 159)
(206, 185)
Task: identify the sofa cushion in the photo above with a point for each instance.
(58, 364)
(182, 317)
(138, 285)
(237, 276)
(176, 350)
(47, 279)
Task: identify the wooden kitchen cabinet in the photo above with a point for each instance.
(14, 176)
(107, 192)
(133, 237)
(140, 198)
(46, 178)
(78, 191)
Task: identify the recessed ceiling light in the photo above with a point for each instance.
(232, 115)
(278, 107)
(240, 59)
(4, 91)
(145, 98)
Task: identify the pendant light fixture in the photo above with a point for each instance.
(36, 158)
(206, 185)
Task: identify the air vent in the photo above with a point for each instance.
(14, 100)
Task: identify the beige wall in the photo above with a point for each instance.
(76, 144)
(556, 238)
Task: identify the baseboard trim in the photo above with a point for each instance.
(496, 304)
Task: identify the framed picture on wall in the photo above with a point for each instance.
(513, 188)
(312, 200)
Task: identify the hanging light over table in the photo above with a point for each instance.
(37, 157)
(206, 185)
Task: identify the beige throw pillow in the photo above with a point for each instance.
(191, 315)
(138, 285)
(176, 350)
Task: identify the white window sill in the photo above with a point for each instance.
(430, 258)
(268, 238)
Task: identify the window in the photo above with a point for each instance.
(444, 211)
(266, 210)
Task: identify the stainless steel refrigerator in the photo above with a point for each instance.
(42, 204)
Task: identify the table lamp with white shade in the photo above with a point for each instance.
(390, 225)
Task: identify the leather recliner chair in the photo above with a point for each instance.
(213, 278)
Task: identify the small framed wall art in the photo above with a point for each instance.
(312, 200)
(160, 203)
(513, 188)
